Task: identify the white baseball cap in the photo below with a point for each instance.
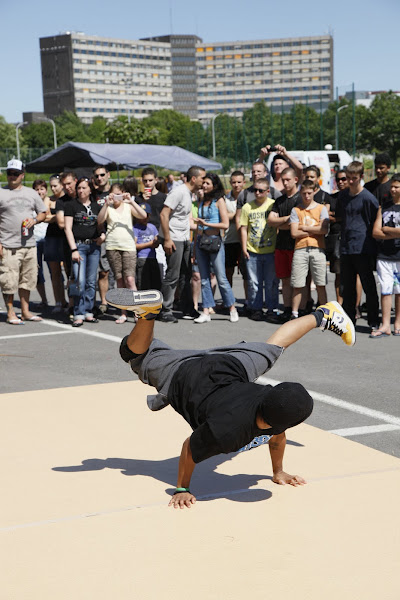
(15, 164)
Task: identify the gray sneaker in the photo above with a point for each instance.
(146, 304)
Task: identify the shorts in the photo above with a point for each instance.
(54, 249)
(104, 265)
(389, 276)
(123, 263)
(18, 269)
(283, 263)
(234, 257)
(305, 259)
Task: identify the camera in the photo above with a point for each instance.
(118, 197)
(273, 149)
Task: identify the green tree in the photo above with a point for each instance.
(382, 133)
(39, 135)
(7, 134)
(70, 128)
(173, 127)
(120, 131)
(96, 130)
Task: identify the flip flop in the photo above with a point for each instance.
(15, 322)
(121, 319)
(396, 332)
(379, 334)
(33, 318)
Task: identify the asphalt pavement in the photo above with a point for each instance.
(353, 388)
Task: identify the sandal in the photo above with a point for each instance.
(396, 332)
(77, 323)
(121, 319)
(377, 334)
(15, 321)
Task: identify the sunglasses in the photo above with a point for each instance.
(14, 173)
(341, 178)
(100, 175)
(259, 191)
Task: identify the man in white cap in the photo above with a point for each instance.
(20, 209)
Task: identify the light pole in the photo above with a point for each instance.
(213, 132)
(17, 138)
(54, 130)
(128, 84)
(337, 123)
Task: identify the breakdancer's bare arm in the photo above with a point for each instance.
(186, 466)
(277, 446)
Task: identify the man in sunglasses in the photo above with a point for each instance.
(258, 246)
(20, 209)
(101, 180)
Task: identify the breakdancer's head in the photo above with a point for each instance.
(285, 405)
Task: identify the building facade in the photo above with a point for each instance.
(96, 76)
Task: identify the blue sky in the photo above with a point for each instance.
(366, 34)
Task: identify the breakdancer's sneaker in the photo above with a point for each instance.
(145, 304)
(337, 320)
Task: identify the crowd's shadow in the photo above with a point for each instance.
(207, 480)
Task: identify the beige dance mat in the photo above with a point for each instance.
(86, 474)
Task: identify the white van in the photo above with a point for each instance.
(328, 161)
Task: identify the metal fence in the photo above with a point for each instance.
(26, 154)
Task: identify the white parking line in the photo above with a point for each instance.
(98, 334)
(356, 408)
(26, 335)
(349, 431)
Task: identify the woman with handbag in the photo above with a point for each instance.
(84, 239)
(209, 247)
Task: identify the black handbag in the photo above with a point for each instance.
(209, 243)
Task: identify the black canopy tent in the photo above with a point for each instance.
(73, 155)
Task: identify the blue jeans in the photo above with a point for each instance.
(213, 262)
(90, 256)
(261, 270)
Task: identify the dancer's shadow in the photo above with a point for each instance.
(206, 479)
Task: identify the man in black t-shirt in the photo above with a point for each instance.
(68, 180)
(101, 178)
(213, 390)
(380, 187)
(152, 196)
(284, 248)
(156, 200)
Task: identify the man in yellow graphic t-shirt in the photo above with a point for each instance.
(258, 244)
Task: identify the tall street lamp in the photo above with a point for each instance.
(17, 138)
(54, 131)
(213, 132)
(337, 123)
(128, 82)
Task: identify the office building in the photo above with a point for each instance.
(100, 76)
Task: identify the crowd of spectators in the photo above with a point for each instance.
(188, 234)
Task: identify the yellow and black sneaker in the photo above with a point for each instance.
(146, 304)
(337, 320)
